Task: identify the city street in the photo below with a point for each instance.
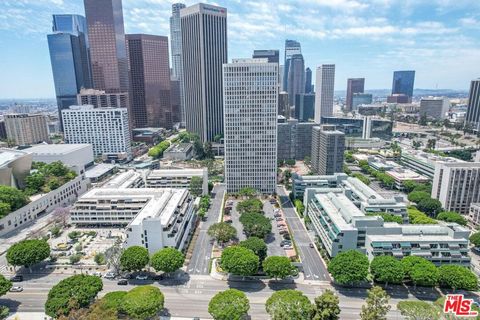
(190, 298)
(200, 259)
(313, 266)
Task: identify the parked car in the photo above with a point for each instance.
(281, 225)
(283, 231)
(287, 247)
(311, 245)
(98, 274)
(286, 236)
(142, 277)
(16, 289)
(16, 278)
(109, 275)
(159, 277)
(287, 243)
(277, 215)
(122, 282)
(279, 219)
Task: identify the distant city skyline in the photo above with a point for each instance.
(371, 39)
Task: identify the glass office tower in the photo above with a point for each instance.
(403, 82)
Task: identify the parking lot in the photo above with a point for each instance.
(274, 240)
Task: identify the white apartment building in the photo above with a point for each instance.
(340, 225)
(434, 107)
(176, 178)
(250, 99)
(106, 129)
(457, 185)
(154, 218)
(324, 91)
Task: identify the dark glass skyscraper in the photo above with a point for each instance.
(149, 80)
(472, 119)
(354, 85)
(308, 81)
(296, 78)
(108, 54)
(177, 70)
(291, 47)
(403, 82)
(69, 57)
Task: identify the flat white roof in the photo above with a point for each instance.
(99, 170)
(176, 173)
(122, 180)
(56, 148)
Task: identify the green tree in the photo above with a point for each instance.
(167, 260)
(4, 312)
(457, 277)
(114, 299)
(100, 258)
(361, 177)
(256, 225)
(250, 205)
(196, 186)
(207, 148)
(326, 306)
(134, 258)
(430, 206)
(349, 267)
(55, 231)
(278, 267)
(257, 245)
(74, 292)
(74, 258)
(387, 269)
(28, 253)
(74, 235)
(239, 261)
(475, 239)
(377, 305)
(418, 310)
(299, 206)
(417, 196)
(5, 285)
(231, 304)
(424, 273)
(289, 304)
(409, 262)
(450, 216)
(12, 197)
(143, 302)
(417, 217)
(34, 182)
(222, 232)
(409, 185)
(387, 217)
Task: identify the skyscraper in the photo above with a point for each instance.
(305, 107)
(69, 57)
(25, 129)
(271, 55)
(296, 77)
(250, 100)
(204, 50)
(108, 54)
(324, 92)
(403, 83)
(354, 85)
(176, 50)
(291, 47)
(328, 146)
(473, 112)
(308, 81)
(149, 81)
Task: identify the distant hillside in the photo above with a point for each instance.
(416, 92)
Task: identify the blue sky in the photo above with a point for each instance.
(440, 39)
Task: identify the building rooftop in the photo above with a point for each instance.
(122, 180)
(99, 170)
(339, 208)
(176, 172)
(405, 174)
(427, 158)
(56, 149)
(182, 147)
(8, 155)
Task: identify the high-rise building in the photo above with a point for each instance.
(176, 50)
(398, 98)
(291, 47)
(328, 146)
(108, 54)
(149, 72)
(176, 100)
(456, 185)
(69, 56)
(294, 140)
(403, 83)
(434, 107)
(354, 85)
(359, 99)
(324, 92)
(204, 51)
(100, 99)
(473, 112)
(106, 129)
(273, 56)
(283, 105)
(305, 106)
(25, 129)
(250, 100)
(308, 81)
(296, 77)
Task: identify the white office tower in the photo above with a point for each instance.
(106, 129)
(324, 87)
(250, 94)
(204, 51)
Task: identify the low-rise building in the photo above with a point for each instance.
(423, 162)
(182, 151)
(435, 108)
(76, 156)
(154, 218)
(301, 183)
(176, 178)
(14, 167)
(126, 180)
(401, 175)
(340, 225)
(100, 171)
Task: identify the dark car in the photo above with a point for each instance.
(16, 278)
(158, 277)
(122, 282)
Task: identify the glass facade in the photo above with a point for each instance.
(403, 82)
(353, 127)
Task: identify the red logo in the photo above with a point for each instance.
(459, 306)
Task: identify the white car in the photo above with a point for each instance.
(16, 289)
(142, 277)
(109, 275)
(287, 247)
